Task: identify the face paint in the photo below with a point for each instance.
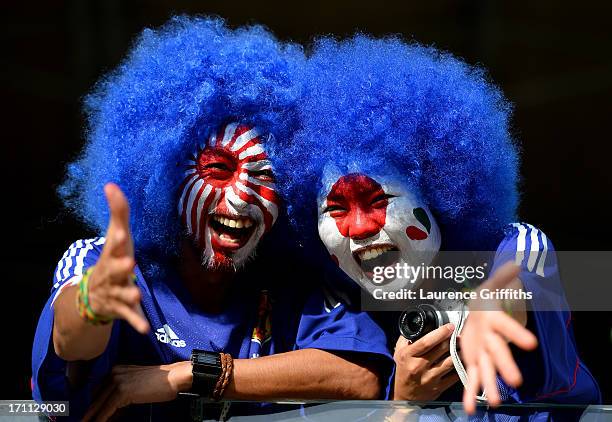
(228, 197)
(367, 221)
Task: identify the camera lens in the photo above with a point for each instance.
(414, 323)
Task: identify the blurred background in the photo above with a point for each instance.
(552, 59)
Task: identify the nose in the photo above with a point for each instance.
(362, 226)
(236, 203)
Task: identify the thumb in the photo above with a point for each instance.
(502, 276)
(118, 235)
(118, 205)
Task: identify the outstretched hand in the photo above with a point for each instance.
(112, 292)
(484, 343)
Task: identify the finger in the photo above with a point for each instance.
(117, 240)
(512, 330)
(129, 295)
(120, 269)
(467, 350)
(471, 390)
(429, 341)
(99, 401)
(488, 377)
(401, 343)
(443, 367)
(118, 205)
(502, 276)
(438, 352)
(503, 360)
(448, 381)
(114, 402)
(133, 316)
(118, 234)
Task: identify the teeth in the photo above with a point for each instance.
(234, 223)
(373, 252)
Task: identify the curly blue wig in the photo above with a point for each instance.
(178, 84)
(439, 122)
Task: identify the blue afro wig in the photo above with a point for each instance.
(178, 84)
(437, 121)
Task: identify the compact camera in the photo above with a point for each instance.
(417, 321)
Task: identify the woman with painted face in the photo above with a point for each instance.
(406, 153)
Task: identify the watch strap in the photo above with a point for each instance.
(206, 370)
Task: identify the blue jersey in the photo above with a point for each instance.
(255, 322)
(554, 372)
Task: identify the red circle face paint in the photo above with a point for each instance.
(228, 197)
(414, 233)
(359, 206)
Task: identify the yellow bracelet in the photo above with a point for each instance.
(82, 302)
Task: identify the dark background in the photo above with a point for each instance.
(552, 59)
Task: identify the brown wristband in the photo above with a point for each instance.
(227, 368)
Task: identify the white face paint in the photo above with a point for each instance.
(367, 221)
(228, 198)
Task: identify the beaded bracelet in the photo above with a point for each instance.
(83, 305)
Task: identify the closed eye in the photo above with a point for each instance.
(332, 208)
(263, 175)
(217, 166)
(381, 199)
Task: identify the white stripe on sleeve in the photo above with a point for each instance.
(520, 244)
(534, 250)
(540, 270)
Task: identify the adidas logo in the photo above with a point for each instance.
(167, 336)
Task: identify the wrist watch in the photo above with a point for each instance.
(206, 369)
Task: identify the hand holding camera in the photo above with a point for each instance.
(424, 368)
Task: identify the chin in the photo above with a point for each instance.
(224, 261)
(219, 262)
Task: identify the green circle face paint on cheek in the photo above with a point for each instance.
(421, 215)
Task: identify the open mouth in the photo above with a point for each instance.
(231, 232)
(381, 255)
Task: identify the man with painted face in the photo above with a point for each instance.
(228, 198)
(190, 127)
(406, 152)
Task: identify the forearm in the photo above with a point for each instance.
(73, 338)
(301, 374)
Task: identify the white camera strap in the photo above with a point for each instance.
(462, 316)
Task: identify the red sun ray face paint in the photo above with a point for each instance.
(228, 197)
(367, 221)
